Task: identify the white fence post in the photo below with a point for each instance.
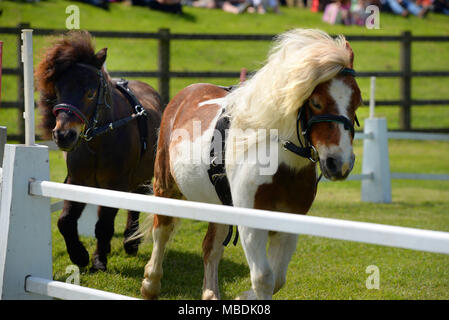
(3, 137)
(376, 162)
(87, 221)
(25, 222)
(28, 84)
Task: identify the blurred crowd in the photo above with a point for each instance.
(356, 11)
(348, 12)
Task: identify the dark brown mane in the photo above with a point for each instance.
(74, 47)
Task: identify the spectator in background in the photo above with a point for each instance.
(441, 6)
(104, 4)
(236, 6)
(403, 8)
(170, 6)
(337, 12)
(261, 6)
(232, 6)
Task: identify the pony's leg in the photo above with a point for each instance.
(212, 252)
(280, 251)
(254, 242)
(104, 230)
(68, 226)
(163, 227)
(132, 226)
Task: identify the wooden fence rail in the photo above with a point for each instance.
(164, 73)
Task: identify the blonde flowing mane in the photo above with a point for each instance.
(299, 60)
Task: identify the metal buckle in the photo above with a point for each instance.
(86, 135)
(314, 157)
(139, 110)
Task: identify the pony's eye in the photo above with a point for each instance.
(315, 105)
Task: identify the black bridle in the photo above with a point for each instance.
(90, 129)
(307, 150)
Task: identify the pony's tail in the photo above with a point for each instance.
(145, 228)
(144, 231)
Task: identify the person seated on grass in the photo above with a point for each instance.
(441, 6)
(261, 6)
(337, 12)
(403, 8)
(104, 4)
(170, 6)
(232, 6)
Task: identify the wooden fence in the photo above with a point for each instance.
(164, 73)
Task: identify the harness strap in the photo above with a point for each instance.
(70, 109)
(217, 170)
(331, 118)
(122, 85)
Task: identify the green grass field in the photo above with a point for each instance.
(321, 268)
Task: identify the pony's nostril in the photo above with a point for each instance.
(70, 134)
(331, 164)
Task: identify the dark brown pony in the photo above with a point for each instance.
(109, 143)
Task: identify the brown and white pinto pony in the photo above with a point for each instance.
(303, 72)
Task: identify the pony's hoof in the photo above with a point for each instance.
(210, 295)
(247, 295)
(131, 247)
(97, 264)
(149, 291)
(79, 256)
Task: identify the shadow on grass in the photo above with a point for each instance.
(183, 274)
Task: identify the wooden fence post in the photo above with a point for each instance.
(164, 65)
(406, 81)
(20, 84)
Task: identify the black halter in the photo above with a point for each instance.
(307, 150)
(90, 127)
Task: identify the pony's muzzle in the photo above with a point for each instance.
(335, 168)
(65, 139)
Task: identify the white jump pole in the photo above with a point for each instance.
(27, 59)
(376, 160)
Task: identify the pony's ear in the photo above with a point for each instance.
(351, 55)
(100, 57)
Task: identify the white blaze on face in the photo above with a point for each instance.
(341, 93)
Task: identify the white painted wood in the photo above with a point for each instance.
(56, 206)
(352, 177)
(393, 236)
(25, 224)
(376, 162)
(3, 137)
(419, 176)
(52, 146)
(418, 136)
(68, 291)
(361, 136)
(28, 83)
(87, 221)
